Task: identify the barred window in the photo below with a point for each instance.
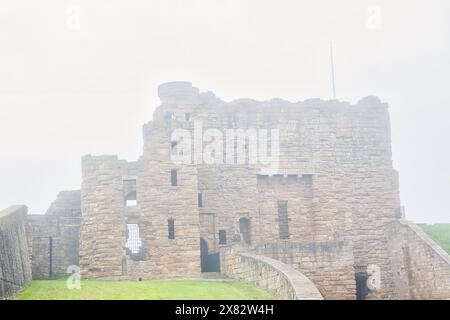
(171, 228)
(134, 242)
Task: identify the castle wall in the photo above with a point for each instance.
(103, 224)
(330, 265)
(335, 176)
(297, 191)
(15, 267)
(335, 172)
(328, 209)
(160, 201)
(228, 194)
(354, 185)
(420, 266)
(105, 183)
(273, 275)
(58, 232)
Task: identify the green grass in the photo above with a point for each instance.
(439, 233)
(144, 290)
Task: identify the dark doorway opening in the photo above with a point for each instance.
(361, 286)
(209, 262)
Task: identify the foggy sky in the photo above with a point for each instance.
(70, 87)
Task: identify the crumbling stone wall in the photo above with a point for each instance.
(330, 265)
(421, 268)
(103, 224)
(228, 195)
(335, 172)
(105, 214)
(297, 190)
(272, 275)
(15, 267)
(328, 210)
(56, 233)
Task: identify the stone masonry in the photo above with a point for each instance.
(329, 209)
(15, 267)
(54, 238)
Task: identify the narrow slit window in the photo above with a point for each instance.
(174, 177)
(200, 200)
(283, 220)
(222, 237)
(244, 229)
(173, 146)
(171, 228)
(176, 148)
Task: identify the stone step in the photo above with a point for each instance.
(214, 275)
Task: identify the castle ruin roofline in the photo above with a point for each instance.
(105, 157)
(184, 93)
(371, 101)
(178, 92)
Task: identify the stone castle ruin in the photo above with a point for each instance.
(325, 222)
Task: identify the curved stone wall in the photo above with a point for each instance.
(329, 264)
(274, 276)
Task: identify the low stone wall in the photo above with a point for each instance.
(15, 267)
(329, 264)
(272, 275)
(64, 235)
(58, 232)
(421, 268)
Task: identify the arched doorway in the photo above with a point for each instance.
(244, 230)
(209, 262)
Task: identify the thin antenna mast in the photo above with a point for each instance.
(332, 70)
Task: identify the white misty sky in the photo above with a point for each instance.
(67, 91)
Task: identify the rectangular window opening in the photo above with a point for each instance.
(200, 200)
(129, 187)
(222, 237)
(174, 177)
(171, 228)
(283, 220)
(134, 242)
